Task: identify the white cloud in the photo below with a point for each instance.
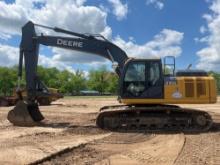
(50, 62)
(167, 42)
(79, 18)
(104, 8)
(72, 57)
(156, 3)
(85, 19)
(201, 40)
(202, 29)
(120, 10)
(5, 36)
(12, 18)
(72, 16)
(9, 57)
(209, 57)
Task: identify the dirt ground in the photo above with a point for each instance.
(68, 135)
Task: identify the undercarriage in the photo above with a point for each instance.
(153, 118)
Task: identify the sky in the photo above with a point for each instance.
(188, 30)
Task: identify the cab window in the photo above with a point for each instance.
(134, 82)
(154, 74)
(143, 79)
(135, 72)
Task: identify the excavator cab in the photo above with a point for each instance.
(142, 79)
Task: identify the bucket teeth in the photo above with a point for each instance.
(25, 115)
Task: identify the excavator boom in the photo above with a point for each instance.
(27, 112)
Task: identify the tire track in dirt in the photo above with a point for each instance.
(29, 148)
(98, 150)
(200, 149)
(125, 148)
(204, 148)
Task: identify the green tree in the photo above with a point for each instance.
(77, 83)
(103, 80)
(98, 79)
(112, 83)
(63, 80)
(49, 76)
(8, 80)
(217, 78)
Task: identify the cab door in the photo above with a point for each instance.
(154, 80)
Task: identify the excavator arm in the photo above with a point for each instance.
(29, 48)
(29, 51)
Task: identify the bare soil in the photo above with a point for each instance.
(68, 135)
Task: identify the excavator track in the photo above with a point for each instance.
(153, 118)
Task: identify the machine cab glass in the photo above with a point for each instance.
(143, 79)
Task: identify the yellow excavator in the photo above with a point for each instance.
(149, 95)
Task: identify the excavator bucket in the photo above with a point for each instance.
(25, 115)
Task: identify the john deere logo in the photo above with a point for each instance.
(69, 43)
